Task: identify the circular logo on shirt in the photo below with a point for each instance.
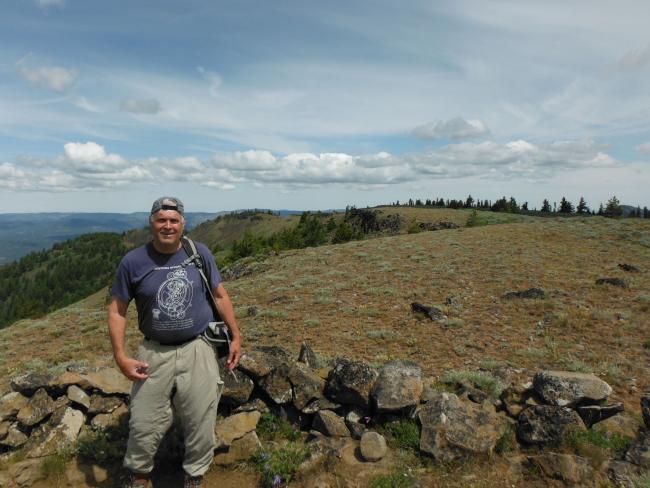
(175, 294)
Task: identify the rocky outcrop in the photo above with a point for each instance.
(351, 382)
(619, 282)
(531, 294)
(433, 313)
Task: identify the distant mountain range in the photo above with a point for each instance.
(27, 232)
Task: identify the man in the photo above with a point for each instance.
(174, 363)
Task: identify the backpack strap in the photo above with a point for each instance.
(195, 257)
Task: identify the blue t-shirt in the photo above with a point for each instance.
(172, 300)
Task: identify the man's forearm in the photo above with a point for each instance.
(117, 333)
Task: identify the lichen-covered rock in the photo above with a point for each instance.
(235, 427)
(307, 386)
(39, 406)
(307, 356)
(566, 388)
(104, 404)
(547, 424)
(373, 446)
(77, 395)
(103, 421)
(639, 451)
(320, 404)
(109, 381)
(10, 405)
(398, 386)
(14, 438)
(452, 429)
(351, 382)
(63, 433)
(28, 383)
(240, 450)
(330, 424)
(237, 387)
(530, 294)
(592, 414)
(262, 360)
(277, 385)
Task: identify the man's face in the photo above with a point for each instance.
(167, 228)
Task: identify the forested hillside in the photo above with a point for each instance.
(47, 280)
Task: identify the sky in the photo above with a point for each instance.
(105, 106)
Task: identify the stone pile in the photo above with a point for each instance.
(346, 401)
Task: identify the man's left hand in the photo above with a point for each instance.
(235, 354)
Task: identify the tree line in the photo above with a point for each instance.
(612, 208)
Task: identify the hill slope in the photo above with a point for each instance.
(354, 299)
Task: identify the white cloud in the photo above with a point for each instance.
(643, 149)
(55, 78)
(84, 104)
(146, 106)
(637, 59)
(213, 78)
(89, 166)
(456, 128)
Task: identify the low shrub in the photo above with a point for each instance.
(399, 478)
(277, 467)
(271, 426)
(482, 380)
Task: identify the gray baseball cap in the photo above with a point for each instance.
(167, 203)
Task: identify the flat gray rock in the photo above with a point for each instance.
(330, 424)
(373, 446)
(398, 386)
(566, 388)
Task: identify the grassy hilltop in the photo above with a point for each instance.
(354, 299)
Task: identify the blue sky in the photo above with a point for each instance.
(300, 104)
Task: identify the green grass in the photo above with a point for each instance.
(277, 467)
(642, 480)
(481, 380)
(399, 478)
(53, 467)
(507, 442)
(402, 434)
(271, 426)
(597, 445)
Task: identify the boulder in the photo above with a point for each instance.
(566, 388)
(530, 294)
(4, 428)
(65, 379)
(39, 406)
(433, 313)
(262, 360)
(330, 424)
(307, 356)
(621, 283)
(104, 404)
(237, 387)
(235, 427)
(65, 432)
(398, 386)
(256, 404)
(624, 424)
(639, 451)
(547, 424)
(307, 386)
(622, 473)
(452, 429)
(373, 446)
(25, 473)
(109, 381)
(77, 395)
(240, 450)
(630, 268)
(14, 438)
(277, 385)
(592, 414)
(103, 421)
(28, 383)
(320, 404)
(645, 410)
(351, 382)
(570, 469)
(10, 405)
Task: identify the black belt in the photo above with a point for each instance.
(177, 343)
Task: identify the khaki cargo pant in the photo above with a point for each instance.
(187, 376)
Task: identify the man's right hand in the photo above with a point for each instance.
(133, 369)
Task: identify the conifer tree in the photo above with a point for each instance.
(613, 208)
(646, 213)
(546, 207)
(566, 207)
(582, 206)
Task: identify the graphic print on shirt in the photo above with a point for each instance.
(175, 295)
